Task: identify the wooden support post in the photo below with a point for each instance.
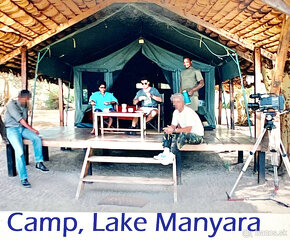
(255, 162)
(11, 165)
(240, 156)
(281, 56)
(279, 75)
(45, 153)
(257, 88)
(60, 103)
(178, 167)
(220, 105)
(90, 168)
(24, 63)
(285, 118)
(26, 153)
(232, 106)
(261, 167)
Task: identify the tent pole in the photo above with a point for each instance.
(60, 102)
(257, 88)
(232, 107)
(244, 93)
(39, 58)
(24, 79)
(225, 105)
(67, 104)
(220, 106)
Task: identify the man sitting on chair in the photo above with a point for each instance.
(149, 98)
(103, 101)
(185, 128)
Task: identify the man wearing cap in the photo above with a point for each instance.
(17, 128)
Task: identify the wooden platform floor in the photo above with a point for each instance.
(220, 139)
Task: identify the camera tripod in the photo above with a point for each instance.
(269, 125)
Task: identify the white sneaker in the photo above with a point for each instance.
(165, 158)
(160, 156)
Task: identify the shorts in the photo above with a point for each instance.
(147, 110)
(194, 103)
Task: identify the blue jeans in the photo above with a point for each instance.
(15, 136)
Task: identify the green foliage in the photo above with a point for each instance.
(226, 105)
(52, 102)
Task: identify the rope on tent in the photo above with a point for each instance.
(74, 42)
(201, 41)
(39, 58)
(225, 105)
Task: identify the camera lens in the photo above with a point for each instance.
(253, 106)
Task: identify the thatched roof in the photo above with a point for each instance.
(240, 25)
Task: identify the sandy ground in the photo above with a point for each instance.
(205, 179)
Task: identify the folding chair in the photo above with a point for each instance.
(105, 121)
(159, 121)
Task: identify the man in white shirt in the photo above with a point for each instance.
(185, 128)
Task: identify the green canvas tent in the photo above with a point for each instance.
(109, 42)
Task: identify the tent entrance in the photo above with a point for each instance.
(159, 64)
(124, 87)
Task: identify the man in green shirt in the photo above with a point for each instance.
(191, 80)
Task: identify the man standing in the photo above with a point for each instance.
(101, 100)
(17, 128)
(185, 128)
(191, 81)
(149, 98)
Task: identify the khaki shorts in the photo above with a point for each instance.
(147, 110)
(194, 103)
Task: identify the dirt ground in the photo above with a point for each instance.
(206, 177)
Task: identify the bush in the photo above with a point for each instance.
(52, 102)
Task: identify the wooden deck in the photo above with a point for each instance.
(220, 139)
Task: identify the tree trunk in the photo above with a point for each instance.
(285, 118)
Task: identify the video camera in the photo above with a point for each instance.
(268, 101)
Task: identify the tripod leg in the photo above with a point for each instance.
(285, 157)
(249, 159)
(274, 161)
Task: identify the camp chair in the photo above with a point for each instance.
(158, 122)
(105, 121)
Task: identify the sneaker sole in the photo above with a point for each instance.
(166, 163)
(42, 170)
(26, 186)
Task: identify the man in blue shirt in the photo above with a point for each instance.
(149, 98)
(103, 101)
